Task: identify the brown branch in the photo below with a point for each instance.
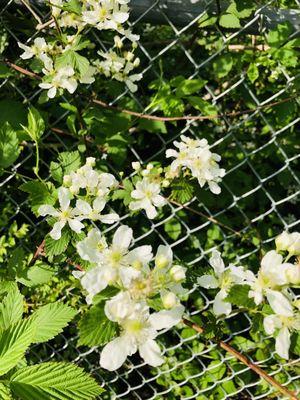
(39, 252)
(155, 117)
(188, 117)
(201, 214)
(245, 360)
(22, 70)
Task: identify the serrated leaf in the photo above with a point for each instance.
(295, 343)
(182, 190)
(72, 6)
(189, 86)
(38, 274)
(229, 21)
(56, 247)
(153, 126)
(202, 105)
(9, 146)
(50, 320)
(35, 125)
(39, 193)
(54, 381)
(105, 294)
(238, 296)
(67, 162)
(173, 228)
(11, 309)
(95, 329)
(253, 72)
(5, 393)
(14, 342)
(223, 65)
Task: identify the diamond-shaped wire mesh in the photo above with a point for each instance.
(268, 196)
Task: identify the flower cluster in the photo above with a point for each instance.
(272, 284)
(194, 157)
(60, 62)
(130, 272)
(88, 189)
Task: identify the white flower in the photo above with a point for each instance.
(271, 277)
(106, 14)
(116, 264)
(39, 47)
(65, 215)
(282, 326)
(289, 242)
(56, 10)
(223, 278)
(147, 196)
(64, 78)
(93, 213)
(196, 156)
(138, 331)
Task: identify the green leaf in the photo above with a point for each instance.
(9, 146)
(67, 162)
(189, 86)
(105, 294)
(11, 309)
(253, 72)
(182, 190)
(56, 247)
(13, 344)
(241, 8)
(39, 193)
(206, 20)
(229, 21)
(173, 228)
(39, 274)
(238, 296)
(35, 125)
(50, 320)
(202, 105)
(73, 59)
(95, 329)
(276, 37)
(72, 6)
(295, 343)
(54, 381)
(153, 126)
(223, 65)
(5, 393)
(215, 371)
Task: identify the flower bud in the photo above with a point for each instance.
(161, 261)
(90, 162)
(293, 274)
(165, 183)
(178, 273)
(136, 165)
(145, 172)
(283, 241)
(118, 42)
(294, 247)
(169, 300)
(149, 167)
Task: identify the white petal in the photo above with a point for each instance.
(164, 256)
(283, 342)
(115, 353)
(75, 225)
(279, 303)
(109, 218)
(270, 261)
(159, 200)
(217, 263)
(55, 233)
(99, 204)
(64, 198)
(271, 322)
(127, 274)
(118, 307)
(151, 212)
(220, 306)
(122, 237)
(93, 282)
(214, 187)
(208, 281)
(151, 353)
(83, 207)
(165, 319)
(47, 210)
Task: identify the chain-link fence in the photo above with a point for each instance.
(261, 188)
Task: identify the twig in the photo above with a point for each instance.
(201, 214)
(189, 117)
(27, 5)
(22, 70)
(41, 26)
(245, 360)
(238, 47)
(39, 251)
(155, 117)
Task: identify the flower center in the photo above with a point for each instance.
(133, 326)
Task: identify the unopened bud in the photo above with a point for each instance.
(67, 180)
(293, 274)
(165, 183)
(169, 300)
(282, 241)
(90, 162)
(136, 165)
(118, 42)
(161, 262)
(149, 167)
(178, 273)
